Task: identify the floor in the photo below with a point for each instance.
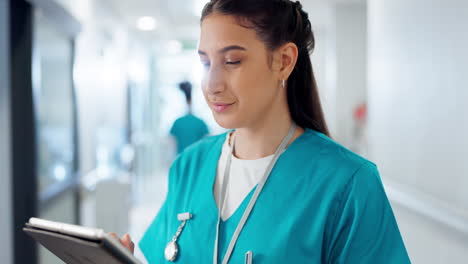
(141, 215)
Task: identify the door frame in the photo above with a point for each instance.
(26, 201)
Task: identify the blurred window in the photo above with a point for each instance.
(53, 91)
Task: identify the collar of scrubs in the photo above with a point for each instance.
(253, 200)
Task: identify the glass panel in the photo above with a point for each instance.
(54, 103)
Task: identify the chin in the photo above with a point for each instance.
(226, 121)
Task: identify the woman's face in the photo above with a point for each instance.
(240, 83)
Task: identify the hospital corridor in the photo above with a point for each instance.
(115, 113)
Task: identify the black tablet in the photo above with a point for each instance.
(77, 244)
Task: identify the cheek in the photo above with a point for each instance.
(255, 86)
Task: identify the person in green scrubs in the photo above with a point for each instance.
(189, 128)
(316, 201)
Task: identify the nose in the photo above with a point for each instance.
(214, 82)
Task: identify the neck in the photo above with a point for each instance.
(263, 139)
(189, 107)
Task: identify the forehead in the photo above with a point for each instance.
(218, 31)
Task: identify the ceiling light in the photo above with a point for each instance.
(146, 23)
(174, 47)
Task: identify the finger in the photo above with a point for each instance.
(126, 239)
(127, 242)
(114, 235)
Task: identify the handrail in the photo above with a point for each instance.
(433, 209)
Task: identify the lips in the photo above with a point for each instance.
(221, 107)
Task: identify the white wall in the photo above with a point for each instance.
(418, 91)
(322, 17)
(340, 61)
(321, 67)
(418, 113)
(6, 226)
(351, 66)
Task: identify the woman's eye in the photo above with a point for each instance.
(232, 62)
(205, 64)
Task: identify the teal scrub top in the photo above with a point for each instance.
(188, 130)
(321, 204)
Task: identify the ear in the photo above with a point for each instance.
(284, 60)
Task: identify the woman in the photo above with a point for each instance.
(275, 189)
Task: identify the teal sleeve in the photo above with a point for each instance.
(364, 227)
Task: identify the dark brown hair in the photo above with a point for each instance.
(186, 88)
(276, 23)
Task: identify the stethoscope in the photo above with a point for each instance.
(172, 249)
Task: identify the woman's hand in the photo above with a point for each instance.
(126, 241)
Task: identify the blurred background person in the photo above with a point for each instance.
(188, 129)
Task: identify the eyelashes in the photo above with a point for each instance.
(207, 64)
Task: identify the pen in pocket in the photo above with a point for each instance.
(248, 257)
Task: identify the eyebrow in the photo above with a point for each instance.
(225, 49)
